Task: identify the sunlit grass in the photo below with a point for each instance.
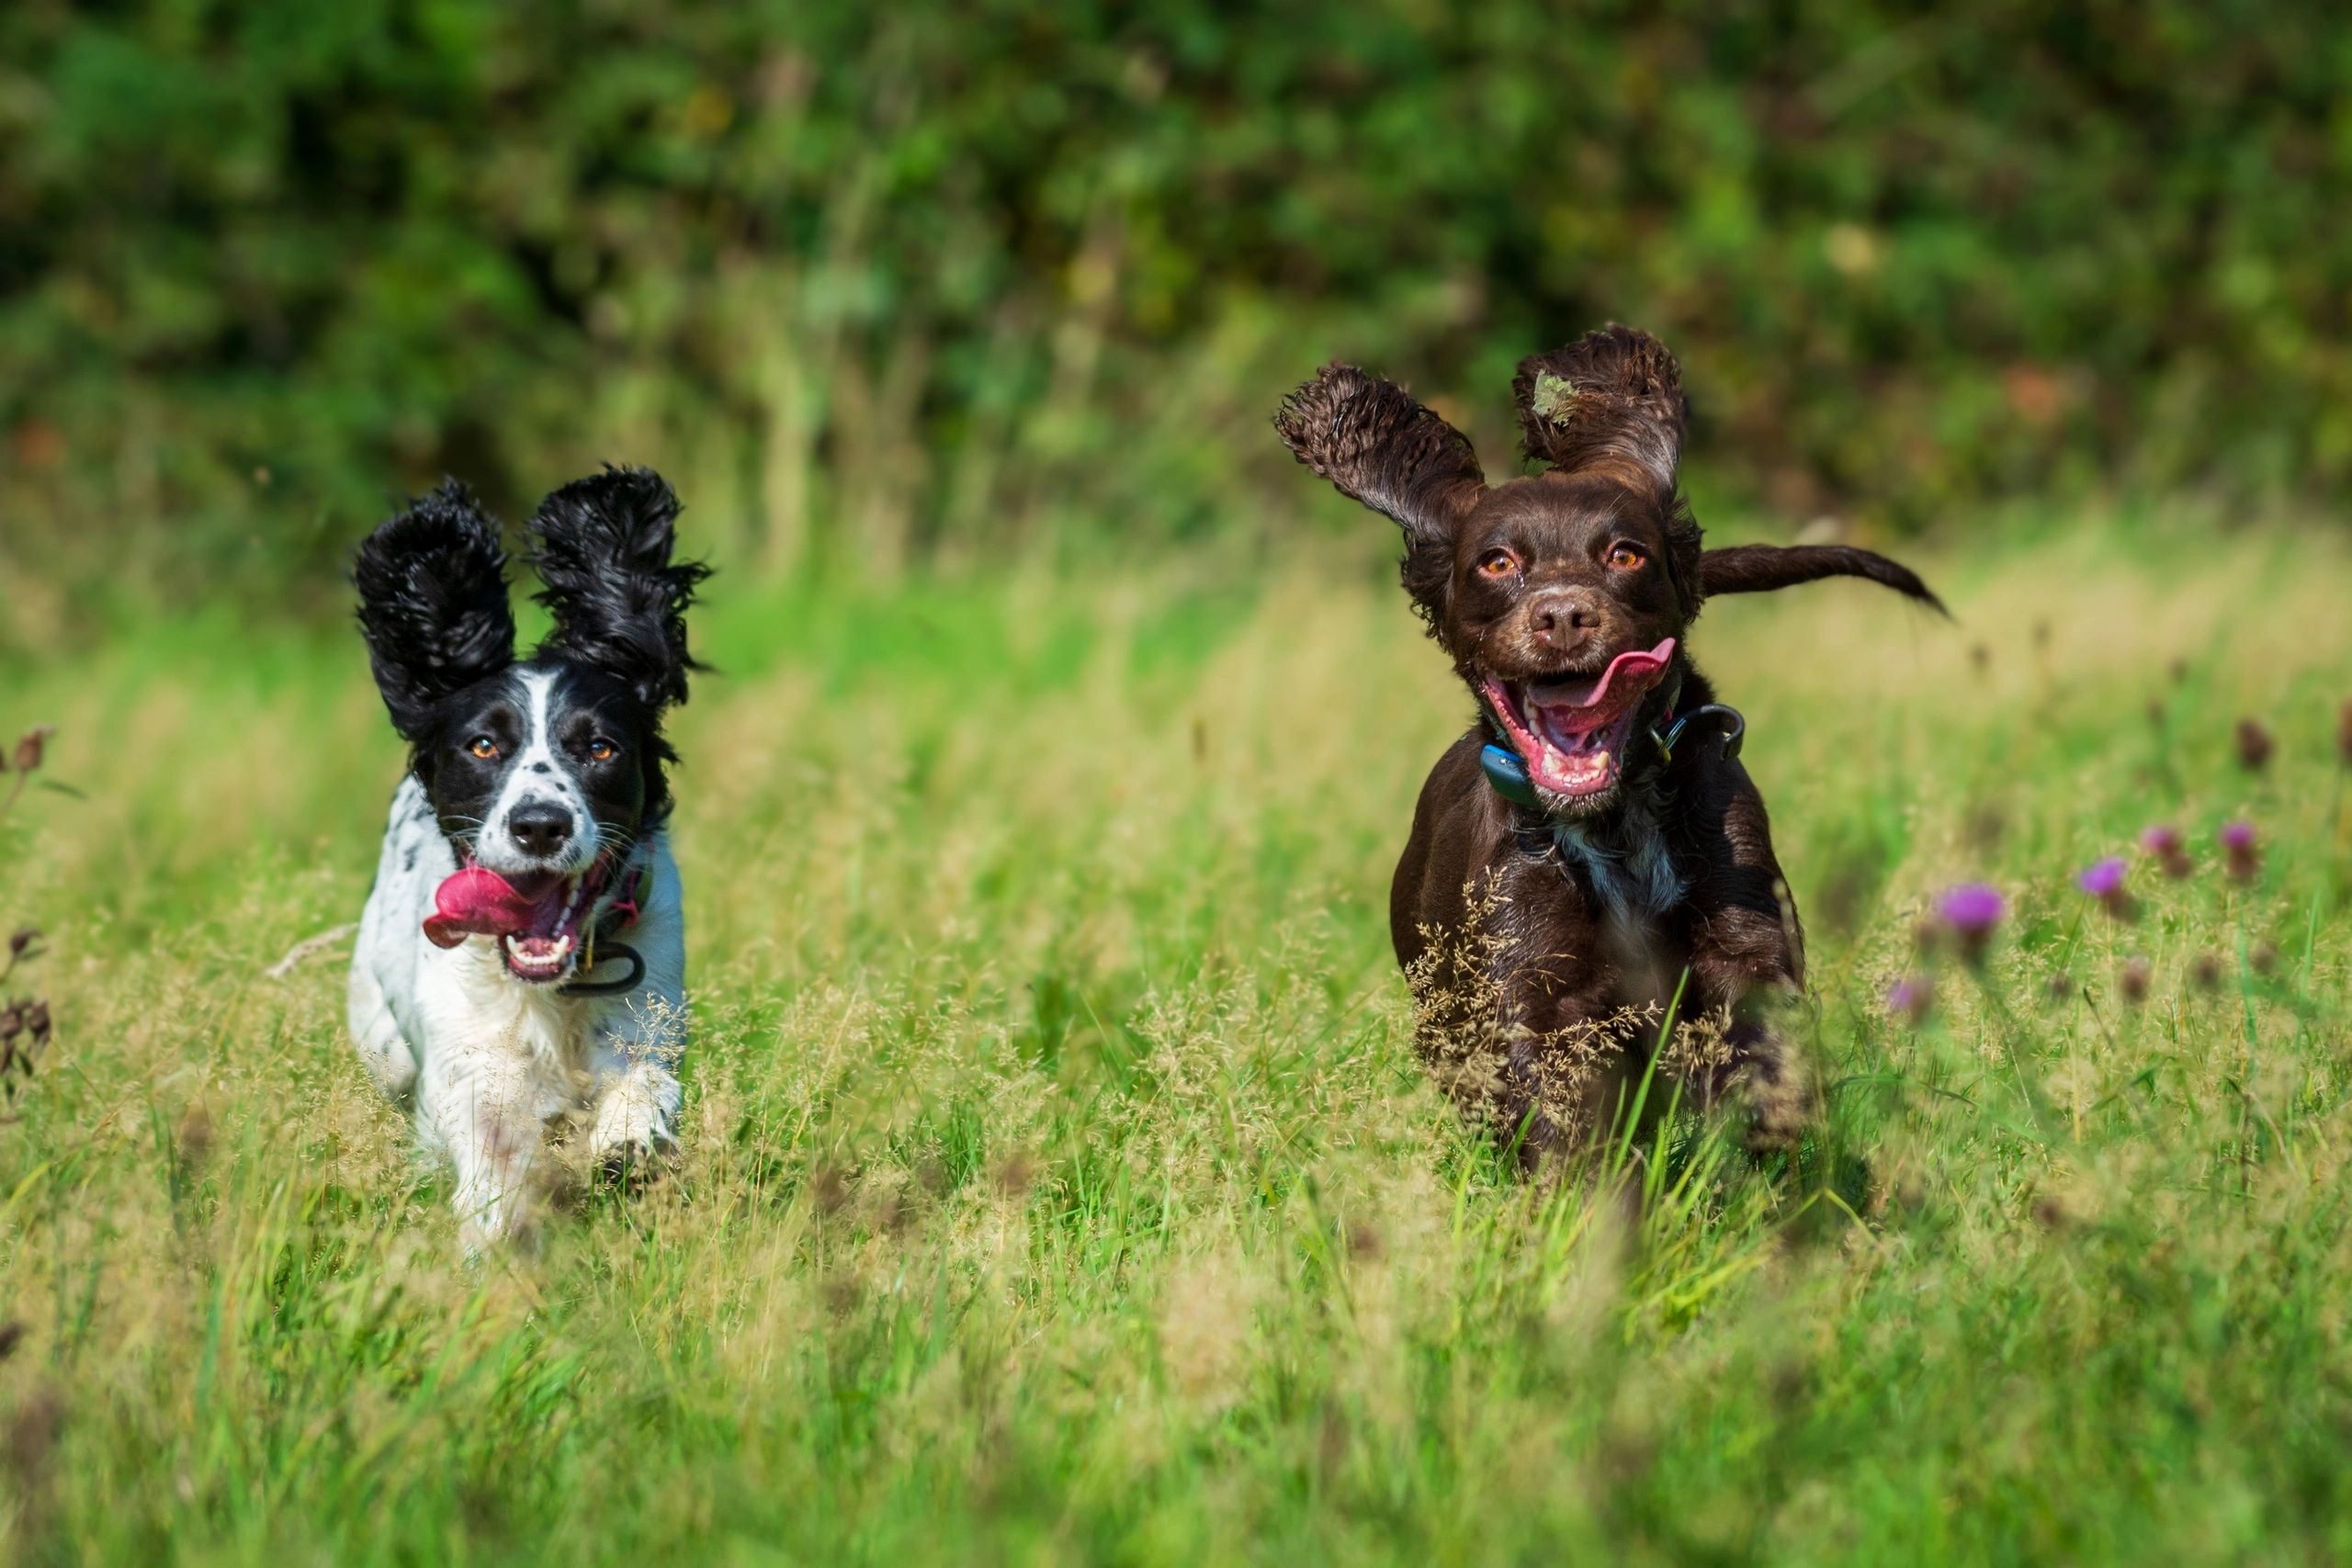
(1059, 1184)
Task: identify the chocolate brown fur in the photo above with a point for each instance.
(1546, 945)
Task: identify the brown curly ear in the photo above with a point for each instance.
(1611, 401)
(1381, 447)
(1371, 438)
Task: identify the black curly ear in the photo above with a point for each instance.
(432, 604)
(1611, 399)
(619, 603)
(1380, 447)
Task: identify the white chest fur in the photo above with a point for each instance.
(485, 1059)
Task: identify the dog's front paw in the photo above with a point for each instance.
(631, 1143)
(634, 1165)
(1780, 1105)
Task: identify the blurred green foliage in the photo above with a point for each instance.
(889, 280)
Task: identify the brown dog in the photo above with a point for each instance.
(1591, 858)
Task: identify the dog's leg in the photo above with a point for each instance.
(637, 1089)
(378, 1034)
(482, 1110)
(637, 1114)
(1747, 960)
(1770, 1075)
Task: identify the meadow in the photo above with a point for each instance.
(1059, 1185)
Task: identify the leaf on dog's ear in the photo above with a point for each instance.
(1613, 399)
(1553, 397)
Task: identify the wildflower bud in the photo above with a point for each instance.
(2134, 980)
(12, 1021)
(19, 941)
(1911, 997)
(2264, 958)
(2103, 880)
(2244, 851)
(36, 1023)
(1970, 912)
(30, 745)
(2254, 746)
(2206, 972)
(2170, 850)
(2061, 985)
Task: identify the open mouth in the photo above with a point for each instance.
(536, 916)
(1572, 731)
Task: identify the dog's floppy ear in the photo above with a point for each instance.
(1610, 403)
(1380, 447)
(619, 601)
(1610, 400)
(432, 604)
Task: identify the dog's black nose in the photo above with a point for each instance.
(540, 827)
(1563, 617)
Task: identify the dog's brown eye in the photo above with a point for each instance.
(601, 751)
(1625, 558)
(482, 746)
(1498, 563)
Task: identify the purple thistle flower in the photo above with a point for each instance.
(1970, 912)
(1910, 998)
(2171, 851)
(1972, 907)
(2245, 847)
(2103, 880)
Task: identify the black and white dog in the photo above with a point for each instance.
(522, 956)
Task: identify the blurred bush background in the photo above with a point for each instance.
(879, 285)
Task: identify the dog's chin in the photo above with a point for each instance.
(1591, 807)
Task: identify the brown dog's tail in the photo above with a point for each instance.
(1759, 568)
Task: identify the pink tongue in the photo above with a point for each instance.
(478, 899)
(1634, 666)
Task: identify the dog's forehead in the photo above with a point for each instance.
(494, 697)
(1563, 504)
(564, 691)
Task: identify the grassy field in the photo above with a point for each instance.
(1059, 1183)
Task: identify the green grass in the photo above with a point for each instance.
(1059, 1185)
